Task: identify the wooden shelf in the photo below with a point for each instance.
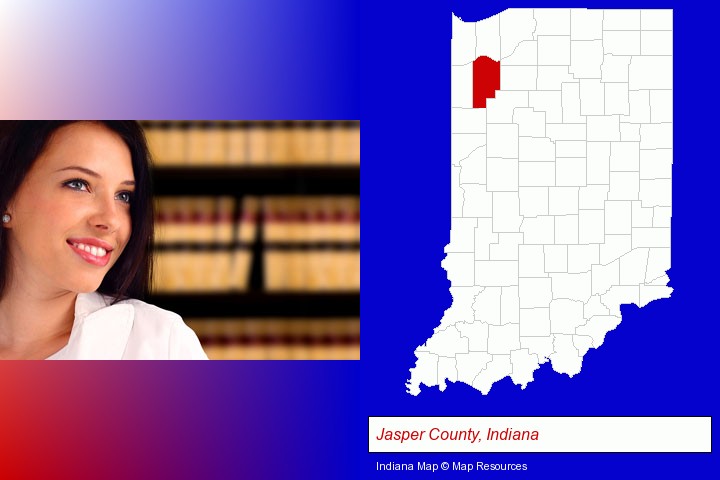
(259, 304)
(254, 180)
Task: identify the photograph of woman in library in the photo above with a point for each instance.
(75, 237)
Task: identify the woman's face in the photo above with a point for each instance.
(71, 215)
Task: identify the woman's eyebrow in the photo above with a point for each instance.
(92, 173)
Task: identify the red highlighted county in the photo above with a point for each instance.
(486, 80)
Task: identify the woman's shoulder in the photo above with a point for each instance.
(144, 314)
(156, 328)
(152, 313)
(95, 302)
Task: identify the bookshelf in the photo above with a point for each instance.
(262, 304)
(258, 180)
(267, 214)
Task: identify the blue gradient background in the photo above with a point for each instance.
(387, 65)
(167, 59)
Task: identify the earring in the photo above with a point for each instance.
(6, 218)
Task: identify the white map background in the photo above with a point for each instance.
(561, 191)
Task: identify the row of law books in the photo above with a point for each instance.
(197, 271)
(282, 219)
(206, 244)
(253, 143)
(279, 339)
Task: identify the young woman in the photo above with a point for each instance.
(75, 246)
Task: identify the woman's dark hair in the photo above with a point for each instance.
(21, 142)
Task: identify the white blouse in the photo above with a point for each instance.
(128, 330)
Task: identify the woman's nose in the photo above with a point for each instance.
(106, 214)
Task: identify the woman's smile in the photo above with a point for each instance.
(92, 250)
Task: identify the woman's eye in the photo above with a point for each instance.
(80, 185)
(125, 197)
